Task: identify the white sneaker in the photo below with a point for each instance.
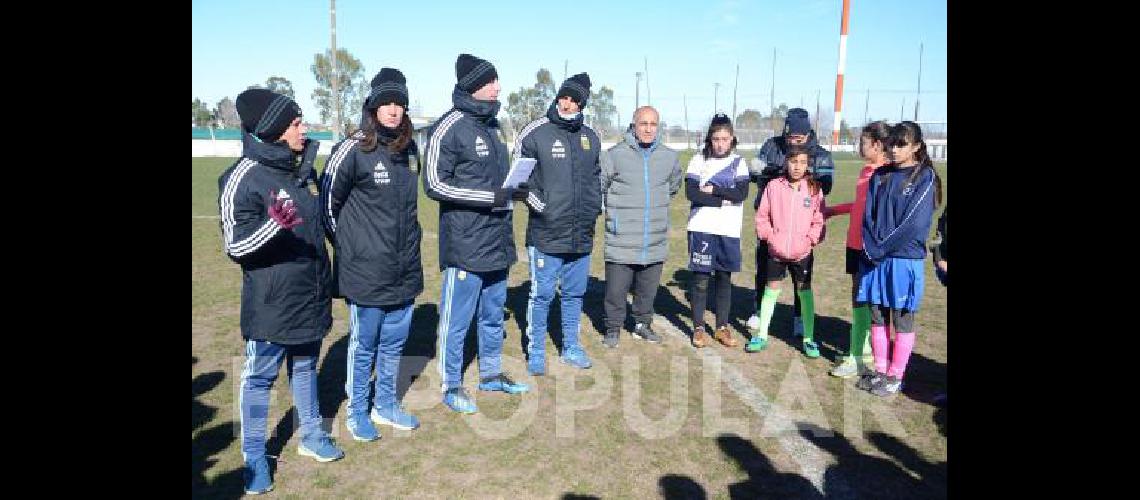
(753, 323)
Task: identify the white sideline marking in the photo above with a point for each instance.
(810, 458)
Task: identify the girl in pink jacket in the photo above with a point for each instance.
(872, 147)
(790, 220)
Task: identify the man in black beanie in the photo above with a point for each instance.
(266, 114)
(286, 308)
(565, 200)
(768, 165)
(466, 165)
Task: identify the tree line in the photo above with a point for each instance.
(525, 104)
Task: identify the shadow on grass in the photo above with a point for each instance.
(764, 481)
(420, 348)
(857, 475)
(675, 487)
(518, 298)
(209, 442)
(854, 475)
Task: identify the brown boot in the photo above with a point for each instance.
(724, 336)
(700, 338)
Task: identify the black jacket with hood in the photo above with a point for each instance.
(565, 187)
(286, 280)
(464, 169)
(368, 203)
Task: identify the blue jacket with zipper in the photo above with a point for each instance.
(897, 219)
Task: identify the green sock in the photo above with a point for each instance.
(807, 306)
(767, 307)
(860, 330)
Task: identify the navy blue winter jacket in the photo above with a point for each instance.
(286, 282)
(368, 201)
(772, 157)
(465, 166)
(565, 187)
(898, 214)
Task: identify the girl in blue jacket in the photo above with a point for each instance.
(901, 201)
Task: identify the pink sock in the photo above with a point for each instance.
(903, 346)
(879, 346)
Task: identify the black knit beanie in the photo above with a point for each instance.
(266, 114)
(472, 73)
(387, 86)
(577, 87)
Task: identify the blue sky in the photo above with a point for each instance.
(690, 45)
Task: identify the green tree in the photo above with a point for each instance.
(351, 91)
(601, 113)
(519, 109)
(226, 113)
(748, 119)
(748, 125)
(281, 85)
(529, 103)
(544, 91)
(777, 118)
(202, 115)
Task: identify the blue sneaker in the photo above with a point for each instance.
(257, 478)
(502, 383)
(395, 417)
(361, 429)
(536, 364)
(457, 399)
(320, 447)
(756, 344)
(576, 357)
(811, 349)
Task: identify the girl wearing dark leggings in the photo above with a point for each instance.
(716, 183)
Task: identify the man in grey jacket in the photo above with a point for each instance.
(639, 178)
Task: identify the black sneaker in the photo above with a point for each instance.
(868, 379)
(643, 332)
(611, 338)
(886, 386)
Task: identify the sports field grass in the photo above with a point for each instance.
(647, 420)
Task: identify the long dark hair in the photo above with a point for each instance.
(720, 121)
(877, 131)
(371, 130)
(906, 133)
(796, 150)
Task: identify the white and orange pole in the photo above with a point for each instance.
(839, 74)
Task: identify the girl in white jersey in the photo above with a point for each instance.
(717, 185)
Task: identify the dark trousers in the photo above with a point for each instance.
(700, 297)
(762, 258)
(644, 279)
